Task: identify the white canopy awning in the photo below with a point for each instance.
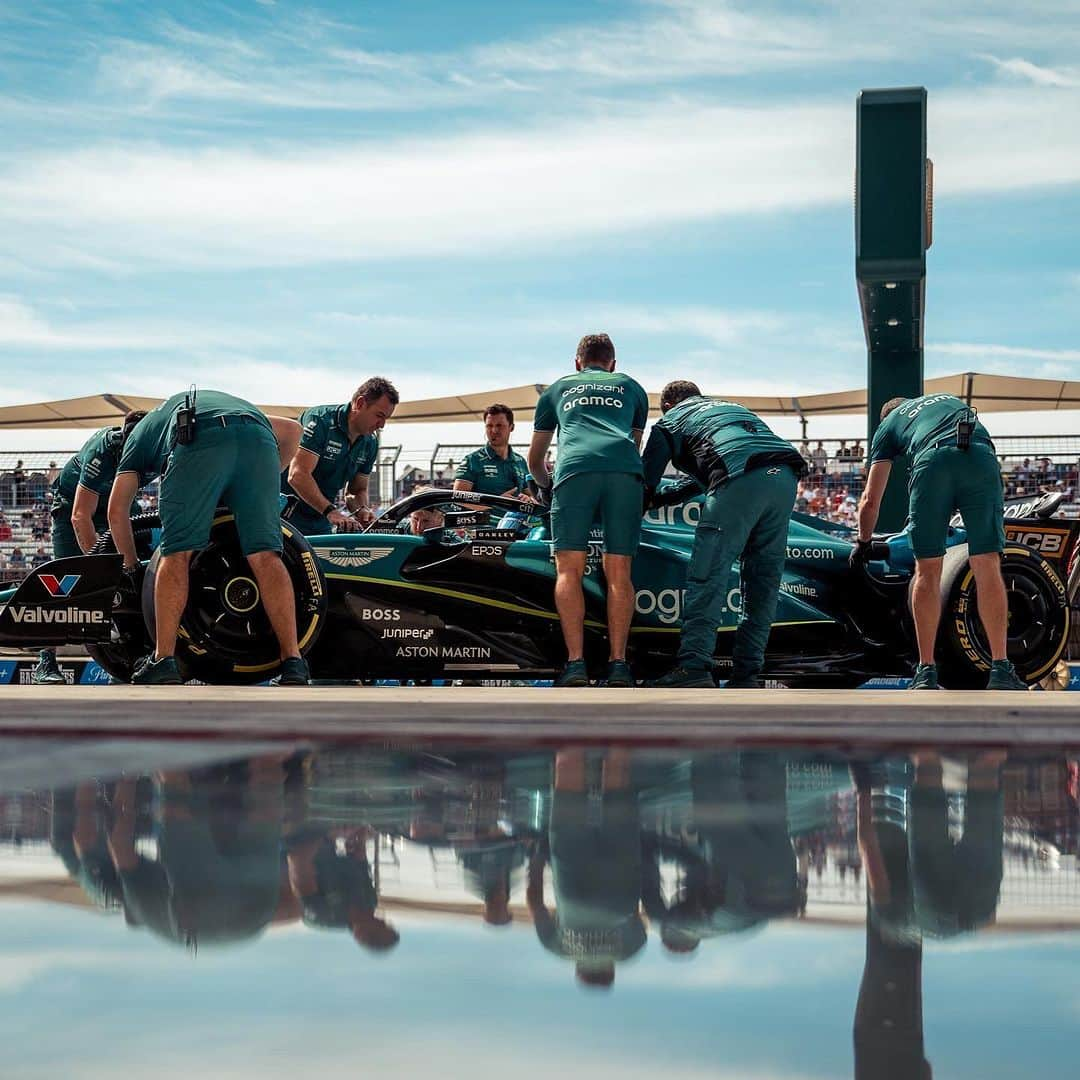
(988, 393)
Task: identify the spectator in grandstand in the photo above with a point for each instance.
(5, 527)
(18, 483)
(494, 469)
(338, 449)
(944, 478)
(843, 454)
(40, 557)
(52, 473)
(819, 459)
(751, 476)
(802, 498)
(600, 415)
(858, 455)
(235, 454)
(18, 559)
(80, 497)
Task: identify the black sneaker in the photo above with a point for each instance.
(619, 674)
(47, 671)
(574, 674)
(151, 672)
(1003, 677)
(294, 672)
(684, 678)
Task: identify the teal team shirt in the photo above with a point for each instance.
(490, 474)
(594, 412)
(714, 441)
(918, 425)
(152, 439)
(93, 467)
(326, 435)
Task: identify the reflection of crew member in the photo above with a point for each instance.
(338, 449)
(945, 477)
(750, 475)
(78, 513)
(743, 871)
(596, 869)
(234, 458)
(79, 836)
(216, 877)
(331, 877)
(600, 415)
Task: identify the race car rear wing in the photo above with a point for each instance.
(64, 602)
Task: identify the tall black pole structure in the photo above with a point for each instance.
(893, 229)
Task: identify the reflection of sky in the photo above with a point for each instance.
(82, 995)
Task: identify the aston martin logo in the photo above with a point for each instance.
(353, 557)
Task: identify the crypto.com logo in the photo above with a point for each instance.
(61, 587)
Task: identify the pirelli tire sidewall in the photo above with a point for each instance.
(200, 655)
(1039, 619)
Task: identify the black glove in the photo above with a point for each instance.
(648, 499)
(541, 494)
(860, 554)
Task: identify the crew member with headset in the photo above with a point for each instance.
(338, 449)
(209, 448)
(600, 414)
(78, 514)
(953, 468)
(751, 476)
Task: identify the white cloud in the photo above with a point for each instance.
(991, 352)
(1040, 76)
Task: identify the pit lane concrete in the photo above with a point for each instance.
(512, 714)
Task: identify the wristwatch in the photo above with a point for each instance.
(330, 508)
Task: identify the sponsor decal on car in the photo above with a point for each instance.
(667, 604)
(46, 616)
(380, 614)
(61, 586)
(797, 588)
(687, 513)
(1049, 542)
(800, 552)
(353, 557)
(444, 652)
(312, 572)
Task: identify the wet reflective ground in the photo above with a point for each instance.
(174, 908)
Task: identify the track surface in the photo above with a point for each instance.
(508, 714)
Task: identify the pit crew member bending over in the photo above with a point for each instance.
(600, 415)
(944, 478)
(338, 449)
(494, 469)
(750, 475)
(235, 458)
(78, 514)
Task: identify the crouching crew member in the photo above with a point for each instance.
(232, 456)
(338, 449)
(953, 468)
(600, 415)
(750, 475)
(78, 509)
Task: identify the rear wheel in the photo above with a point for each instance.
(225, 635)
(1039, 619)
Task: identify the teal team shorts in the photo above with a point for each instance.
(608, 499)
(64, 542)
(236, 465)
(947, 480)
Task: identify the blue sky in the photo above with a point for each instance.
(281, 198)
(84, 995)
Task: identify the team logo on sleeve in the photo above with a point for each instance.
(57, 587)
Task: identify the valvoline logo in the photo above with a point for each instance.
(61, 586)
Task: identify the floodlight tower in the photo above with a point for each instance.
(893, 229)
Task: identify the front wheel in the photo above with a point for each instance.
(1039, 619)
(225, 635)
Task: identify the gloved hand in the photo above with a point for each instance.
(860, 554)
(541, 494)
(648, 499)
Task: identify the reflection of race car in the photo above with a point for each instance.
(390, 605)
